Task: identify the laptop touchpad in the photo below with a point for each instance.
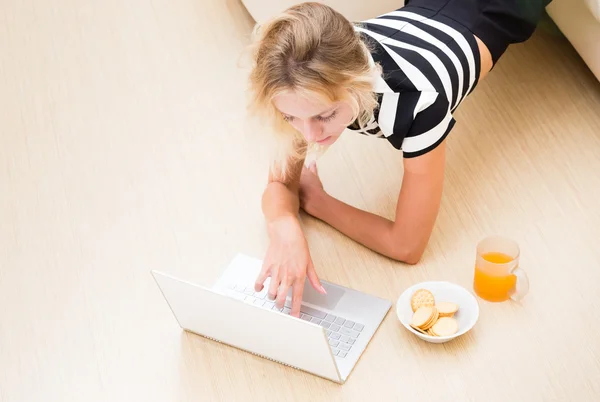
(329, 301)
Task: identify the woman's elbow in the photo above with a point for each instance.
(413, 258)
(408, 254)
(410, 258)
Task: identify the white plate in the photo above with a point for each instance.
(467, 314)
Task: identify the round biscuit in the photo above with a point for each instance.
(447, 309)
(421, 316)
(445, 326)
(418, 329)
(420, 298)
(433, 320)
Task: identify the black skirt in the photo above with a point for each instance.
(498, 23)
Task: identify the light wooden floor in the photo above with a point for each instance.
(124, 147)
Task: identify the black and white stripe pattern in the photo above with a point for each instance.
(429, 66)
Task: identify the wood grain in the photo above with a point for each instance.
(125, 147)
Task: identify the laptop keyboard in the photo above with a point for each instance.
(342, 333)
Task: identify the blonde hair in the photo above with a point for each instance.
(314, 51)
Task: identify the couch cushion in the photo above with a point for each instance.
(354, 10)
(594, 6)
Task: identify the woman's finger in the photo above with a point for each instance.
(297, 298)
(314, 279)
(262, 277)
(282, 294)
(274, 285)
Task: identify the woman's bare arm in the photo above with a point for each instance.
(280, 198)
(406, 237)
(287, 261)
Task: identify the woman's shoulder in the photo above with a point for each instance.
(395, 65)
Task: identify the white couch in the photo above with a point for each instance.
(354, 10)
(579, 21)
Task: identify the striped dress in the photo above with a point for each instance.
(430, 64)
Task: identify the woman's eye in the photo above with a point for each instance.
(328, 118)
(288, 118)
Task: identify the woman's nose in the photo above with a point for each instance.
(312, 131)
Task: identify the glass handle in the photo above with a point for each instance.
(522, 286)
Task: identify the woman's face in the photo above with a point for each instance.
(318, 122)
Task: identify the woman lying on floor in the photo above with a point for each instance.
(400, 77)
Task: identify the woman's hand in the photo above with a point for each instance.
(287, 263)
(311, 188)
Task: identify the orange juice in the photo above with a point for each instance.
(495, 287)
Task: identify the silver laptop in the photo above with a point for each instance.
(327, 340)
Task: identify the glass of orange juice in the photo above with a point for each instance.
(497, 273)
